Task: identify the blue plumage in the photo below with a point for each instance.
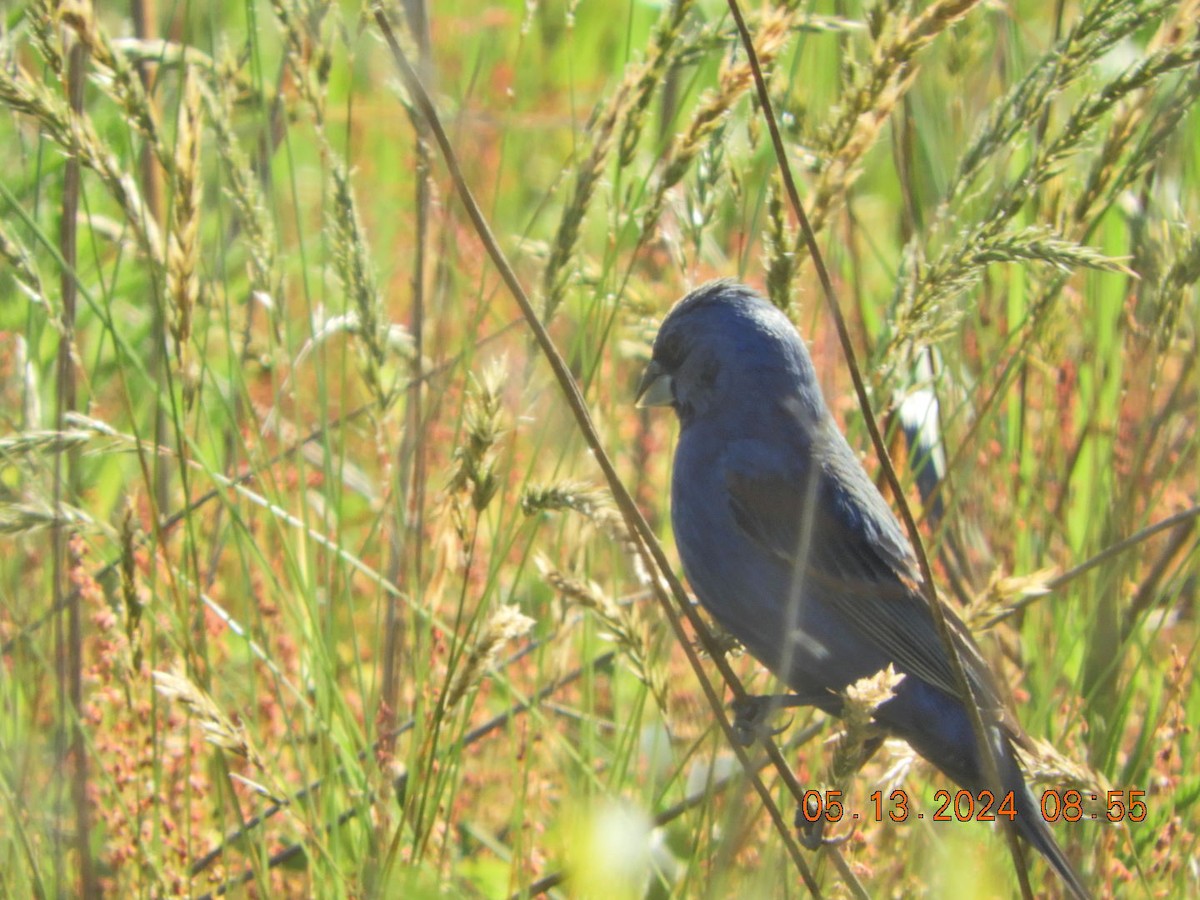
(791, 548)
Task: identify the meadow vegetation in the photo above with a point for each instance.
(313, 582)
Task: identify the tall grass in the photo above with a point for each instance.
(312, 584)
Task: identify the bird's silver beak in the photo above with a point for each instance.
(655, 389)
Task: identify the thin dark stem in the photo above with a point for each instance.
(1148, 590)
(69, 646)
(962, 682)
(145, 26)
(407, 544)
(652, 553)
(1185, 518)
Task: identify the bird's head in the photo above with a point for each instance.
(724, 347)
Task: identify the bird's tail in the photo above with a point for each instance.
(1032, 825)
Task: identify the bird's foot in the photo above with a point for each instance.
(752, 715)
(810, 824)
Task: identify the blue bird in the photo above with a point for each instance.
(792, 549)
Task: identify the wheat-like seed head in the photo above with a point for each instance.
(183, 250)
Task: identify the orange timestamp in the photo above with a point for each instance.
(974, 806)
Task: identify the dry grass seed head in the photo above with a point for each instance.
(778, 243)
(630, 105)
(183, 251)
(219, 730)
(352, 257)
(733, 80)
(507, 623)
(25, 274)
(243, 186)
(475, 463)
(861, 700)
(117, 77)
(593, 504)
(624, 624)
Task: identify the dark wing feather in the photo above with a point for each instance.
(858, 564)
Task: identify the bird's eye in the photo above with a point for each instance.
(710, 368)
(670, 352)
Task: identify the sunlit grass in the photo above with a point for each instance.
(349, 607)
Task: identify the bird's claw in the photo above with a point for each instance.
(810, 826)
(751, 717)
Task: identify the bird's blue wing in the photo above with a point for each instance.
(855, 560)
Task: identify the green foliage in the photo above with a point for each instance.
(306, 583)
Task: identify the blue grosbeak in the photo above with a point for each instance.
(792, 549)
